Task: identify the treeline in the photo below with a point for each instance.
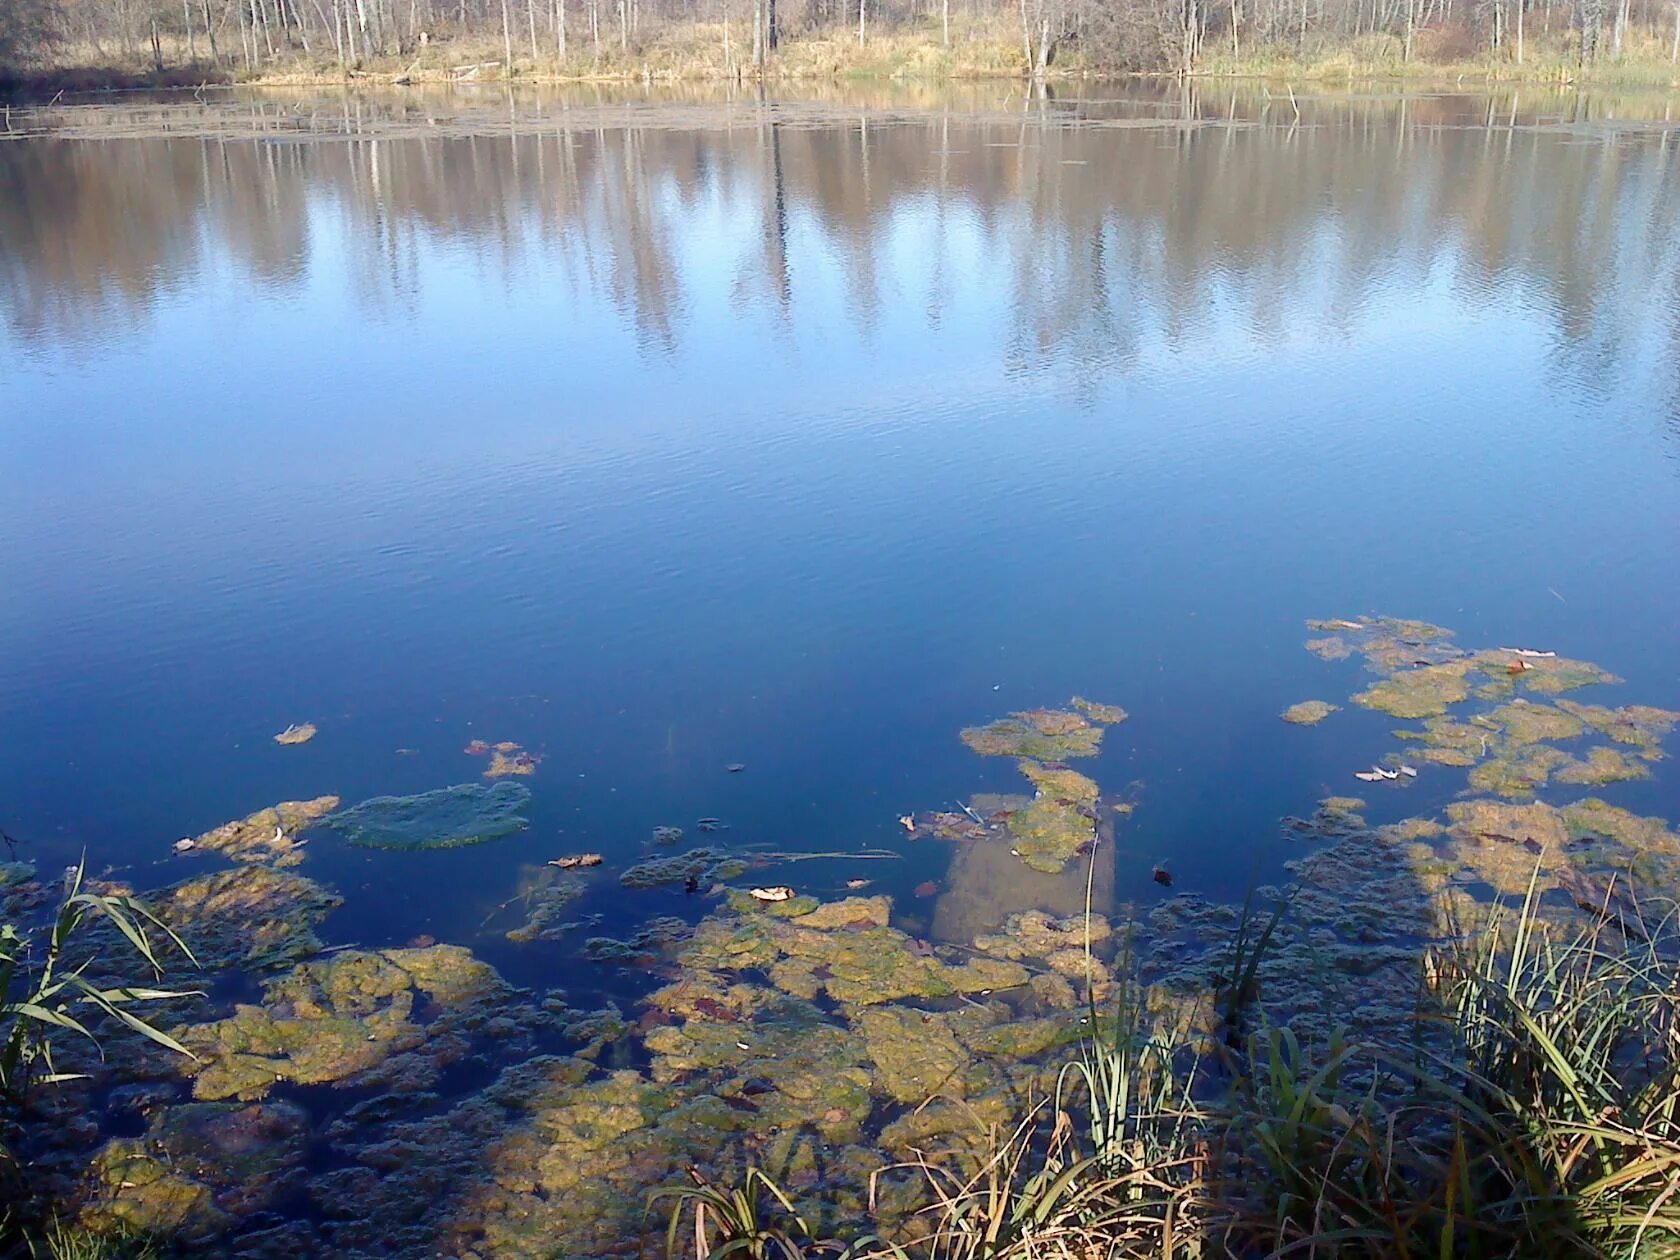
(493, 38)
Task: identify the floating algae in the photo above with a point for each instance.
(1603, 766)
(296, 733)
(1309, 712)
(1639, 725)
(1107, 714)
(1046, 734)
(1524, 722)
(445, 818)
(1518, 772)
(1508, 747)
(1059, 823)
(1426, 691)
(268, 836)
(1449, 743)
(843, 949)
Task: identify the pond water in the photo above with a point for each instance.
(664, 436)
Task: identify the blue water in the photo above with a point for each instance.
(663, 446)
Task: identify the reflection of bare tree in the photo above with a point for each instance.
(1137, 222)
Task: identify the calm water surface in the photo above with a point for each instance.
(666, 438)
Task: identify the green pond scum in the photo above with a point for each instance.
(368, 1102)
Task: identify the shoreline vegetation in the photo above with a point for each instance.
(52, 46)
(898, 60)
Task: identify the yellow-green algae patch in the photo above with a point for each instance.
(1309, 712)
(268, 836)
(1518, 772)
(1546, 675)
(1603, 766)
(1523, 721)
(851, 956)
(1106, 714)
(915, 1054)
(1061, 820)
(1593, 818)
(1426, 691)
(1502, 844)
(1638, 725)
(1045, 734)
(1449, 743)
(337, 1019)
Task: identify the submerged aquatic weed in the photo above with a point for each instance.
(252, 917)
(701, 866)
(445, 818)
(340, 1018)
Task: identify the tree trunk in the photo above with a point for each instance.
(507, 40)
(157, 48)
(531, 19)
(1674, 51)
(862, 5)
(1521, 5)
(772, 30)
(945, 22)
(209, 31)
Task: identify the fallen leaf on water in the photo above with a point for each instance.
(781, 892)
(297, 733)
(855, 884)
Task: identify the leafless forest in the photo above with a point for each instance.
(492, 38)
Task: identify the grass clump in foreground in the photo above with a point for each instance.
(1532, 1114)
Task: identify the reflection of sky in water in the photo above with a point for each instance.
(563, 441)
